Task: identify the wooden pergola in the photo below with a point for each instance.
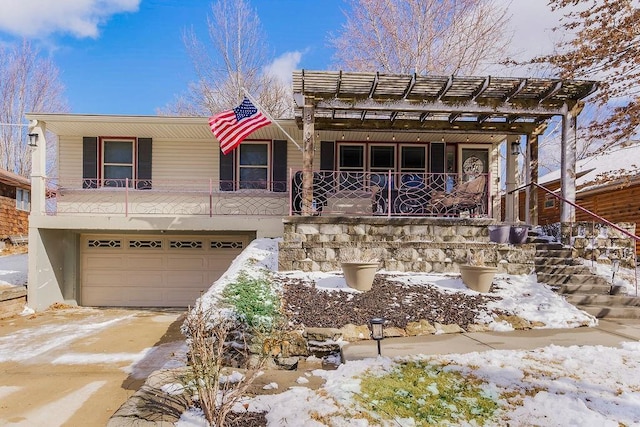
(337, 100)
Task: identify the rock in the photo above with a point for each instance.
(448, 329)
(351, 332)
(287, 363)
(323, 334)
(421, 327)
(393, 332)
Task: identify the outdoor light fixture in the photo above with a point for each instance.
(615, 265)
(377, 330)
(515, 148)
(33, 140)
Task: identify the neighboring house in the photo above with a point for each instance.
(607, 184)
(146, 211)
(15, 196)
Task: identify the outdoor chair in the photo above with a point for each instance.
(467, 196)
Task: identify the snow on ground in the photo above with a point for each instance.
(13, 270)
(551, 386)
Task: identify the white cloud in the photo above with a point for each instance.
(40, 18)
(282, 67)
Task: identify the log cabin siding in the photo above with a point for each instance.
(616, 203)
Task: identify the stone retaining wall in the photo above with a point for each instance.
(401, 244)
(12, 301)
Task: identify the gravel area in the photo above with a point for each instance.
(398, 303)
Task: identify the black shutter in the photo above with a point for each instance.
(327, 160)
(437, 165)
(89, 162)
(227, 171)
(279, 166)
(144, 164)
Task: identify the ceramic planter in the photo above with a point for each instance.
(499, 233)
(518, 234)
(478, 277)
(359, 275)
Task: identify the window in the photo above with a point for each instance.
(351, 162)
(549, 201)
(118, 162)
(23, 200)
(253, 165)
(412, 159)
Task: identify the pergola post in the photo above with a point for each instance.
(532, 173)
(568, 166)
(308, 136)
(511, 198)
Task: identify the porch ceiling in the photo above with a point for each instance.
(408, 102)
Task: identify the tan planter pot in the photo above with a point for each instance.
(359, 275)
(477, 277)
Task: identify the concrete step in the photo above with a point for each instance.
(583, 289)
(549, 246)
(562, 269)
(602, 311)
(603, 300)
(549, 260)
(572, 279)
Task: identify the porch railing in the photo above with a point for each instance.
(393, 194)
(382, 193)
(130, 197)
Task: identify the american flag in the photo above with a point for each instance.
(231, 127)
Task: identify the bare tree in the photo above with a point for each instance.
(605, 45)
(422, 36)
(235, 58)
(28, 83)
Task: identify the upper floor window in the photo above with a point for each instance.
(253, 165)
(23, 200)
(118, 164)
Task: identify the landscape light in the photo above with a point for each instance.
(377, 330)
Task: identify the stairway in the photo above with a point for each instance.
(589, 292)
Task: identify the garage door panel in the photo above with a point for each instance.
(98, 278)
(188, 279)
(152, 271)
(145, 262)
(185, 262)
(103, 261)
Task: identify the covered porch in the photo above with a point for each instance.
(428, 145)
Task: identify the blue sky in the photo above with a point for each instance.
(127, 56)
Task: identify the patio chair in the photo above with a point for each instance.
(467, 196)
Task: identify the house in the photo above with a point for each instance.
(607, 184)
(148, 212)
(15, 195)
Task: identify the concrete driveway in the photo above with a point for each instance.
(76, 366)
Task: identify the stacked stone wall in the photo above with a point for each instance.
(400, 244)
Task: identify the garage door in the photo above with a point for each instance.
(152, 271)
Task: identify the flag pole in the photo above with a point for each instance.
(257, 104)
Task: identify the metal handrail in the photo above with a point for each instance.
(587, 211)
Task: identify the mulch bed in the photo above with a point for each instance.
(398, 303)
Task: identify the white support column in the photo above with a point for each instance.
(38, 168)
(511, 182)
(568, 166)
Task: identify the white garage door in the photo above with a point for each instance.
(152, 271)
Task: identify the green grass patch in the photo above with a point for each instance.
(430, 394)
(254, 301)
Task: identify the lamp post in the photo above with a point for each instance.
(377, 331)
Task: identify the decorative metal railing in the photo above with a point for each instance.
(157, 197)
(334, 193)
(393, 194)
